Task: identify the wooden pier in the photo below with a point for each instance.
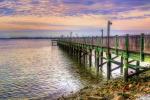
(131, 50)
(128, 49)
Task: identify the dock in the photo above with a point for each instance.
(132, 50)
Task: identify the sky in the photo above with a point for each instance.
(82, 17)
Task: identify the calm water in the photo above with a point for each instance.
(33, 69)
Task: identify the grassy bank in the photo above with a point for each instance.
(114, 89)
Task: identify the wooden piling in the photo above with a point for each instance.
(101, 53)
(97, 60)
(142, 47)
(101, 59)
(80, 55)
(121, 64)
(126, 56)
(95, 57)
(116, 44)
(90, 57)
(108, 66)
(137, 67)
(108, 52)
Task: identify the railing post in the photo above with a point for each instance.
(101, 53)
(142, 47)
(126, 58)
(108, 52)
(116, 44)
(137, 67)
(92, 41)
(95, 57)
(90, 57)
(97, 61)
(86, 52)
(121, 66)
(80, 54)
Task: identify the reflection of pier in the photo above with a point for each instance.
(131, 51)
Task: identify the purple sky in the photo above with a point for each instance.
(82, 17)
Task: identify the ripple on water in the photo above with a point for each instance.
(34, 69)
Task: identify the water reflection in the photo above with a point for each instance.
(33, 69)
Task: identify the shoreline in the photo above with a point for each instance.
(115, 89)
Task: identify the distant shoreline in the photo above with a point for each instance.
(29, 38)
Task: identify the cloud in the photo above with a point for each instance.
(132, 24)
(6, 11)
(73, 14)
(51, 22)
(72, 7)
(133, 14)
(82, 2)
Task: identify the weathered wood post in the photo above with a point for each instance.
(71, 47)
(116, 44)
(101, 53)
(84, 51)
(80, 54)
(69, 42)
(121, 65)
(86, 57)
(78, 48)
(90, 52)
(137, 67)
(95, 54)
(75, 49)
(90, 56)
(108, 52)
(97, 61)
(142, 47)
(126, 58)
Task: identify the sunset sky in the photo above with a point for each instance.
(82, 17)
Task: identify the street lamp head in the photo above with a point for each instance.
(109, 22)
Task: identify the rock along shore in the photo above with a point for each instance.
(115, 89)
